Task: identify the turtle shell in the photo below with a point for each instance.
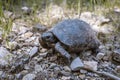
(75, 33)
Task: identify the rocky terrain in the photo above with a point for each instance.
(23, 58)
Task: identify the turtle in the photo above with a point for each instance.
(70, 36)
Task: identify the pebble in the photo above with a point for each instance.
(30, 39)
(29, 76)
(100, 55)
(22, 30)
(103, 20)
(83, 71)
(66, 68)
(39, 28)
(52, 65)
(27, 35)
(53, 58)
(82, 76)
(26, 10)
(36, 41)
(43, 50)
(33, 51)
(65, 78)
(11, 45)
(38, 68)
(43, 54)
(76, 64)
(118, 69)
(1, 72)
(117, 10)
(91, 65)
(57, 69)
(64, 73)
(7, 14)
(5, 56)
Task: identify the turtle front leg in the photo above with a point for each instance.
(63, 52)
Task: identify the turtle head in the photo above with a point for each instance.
(47, 39)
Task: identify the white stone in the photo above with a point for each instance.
(66, 68)
(100, 55)
(29, 77)
(38, 68)
(91, 65)
(27, 35)
(76, 64)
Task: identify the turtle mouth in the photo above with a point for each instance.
(51, 45)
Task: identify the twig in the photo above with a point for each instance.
(103, 74)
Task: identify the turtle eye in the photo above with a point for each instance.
(47, 37)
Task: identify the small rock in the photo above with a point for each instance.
(18, 76)
(82, 76)
(3, 63)
(11, 45)
(26, 67)
(83, 71)
(76, 64)
(26, 10)
(39, 28)
(22, 30)
(43, 50)
(19, 62)
(87, 53)
(103, 20)
(29, 77)
(91, 65)
(39, 59)
(65, 73)
(43, 54)
(100, 55)
(36, 42)
(1, 37)
(116, 55)
(5, 56)
(4, 76)
(86, 15)
(1, 72)
(30, 39)
(33, 51)
(117, 10)
(66, 68)
(38, 68)
(7, 14)
(52, 65)
(53, 58)
(101, 47)
(90, 74)
(27, 35)
(117, 69)
(57, 69)
(65, 78)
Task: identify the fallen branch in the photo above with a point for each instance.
(103, 74)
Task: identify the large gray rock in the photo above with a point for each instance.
(76, 64)
(5, 56)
